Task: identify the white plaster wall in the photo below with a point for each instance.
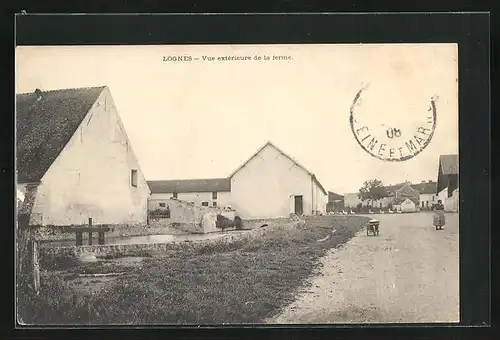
(266, 186)
(92, 175)
(320, 199)
(223, 198)
(443, 194)
(386, 201)
(408, 206)
(432, 199)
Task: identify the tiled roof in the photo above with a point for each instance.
(425, 187)
(190, 185)
(407, 190)
(44, 127)
(449, 164)
(313, 176)
(332, 196)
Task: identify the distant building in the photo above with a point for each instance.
(273, 184)
(447, 184)
(75, 161)
(428, 196)
(407, 205)
(269, 184)
(212, 192)
(406, 192)
(335, 202)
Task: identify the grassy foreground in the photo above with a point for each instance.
(242, 282)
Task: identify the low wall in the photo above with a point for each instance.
(256, 223)
(110, 250)
(56, 233)
(187, 216)
(155, 227)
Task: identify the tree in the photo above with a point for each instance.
(372, 190)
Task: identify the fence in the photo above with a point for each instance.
(28, 268)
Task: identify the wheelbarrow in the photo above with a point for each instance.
(372, 227)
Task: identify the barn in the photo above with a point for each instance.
(210, 192)
(272, 184)
(447, 183)
(74, 160)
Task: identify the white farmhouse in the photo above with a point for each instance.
(272, 184)
(211, 192)
(428, 196)
(74, 160)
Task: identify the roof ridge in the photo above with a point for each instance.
(188, 179)
(65, 89)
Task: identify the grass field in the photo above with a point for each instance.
(241, 282)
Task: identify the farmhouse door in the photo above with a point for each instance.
(298, 205)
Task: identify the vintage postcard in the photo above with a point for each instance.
(237, 184)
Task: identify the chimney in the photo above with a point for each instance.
(38, 94)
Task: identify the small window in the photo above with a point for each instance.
(133, 178)
(214, 195)
(174, 195)
(205, 204)
(214, 204)
(162, 205)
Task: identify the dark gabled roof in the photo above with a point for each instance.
(190, 185)
(313, 176)
(406, 190)
(449, 164)
(332, 196)
(425, 187)
(392, 188)
(44, 127)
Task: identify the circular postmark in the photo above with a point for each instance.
(390, 134)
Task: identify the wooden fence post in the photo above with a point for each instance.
(79, 238)
(36, 268)
(101, 237)
(90, 233)
(25, 254)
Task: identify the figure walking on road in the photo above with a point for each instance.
(439, 218)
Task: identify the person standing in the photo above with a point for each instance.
(439, 218)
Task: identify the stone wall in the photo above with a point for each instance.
(110, 250)
(56, 233)
(188, 217)
(256, 223)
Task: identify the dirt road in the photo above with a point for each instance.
(409, 273)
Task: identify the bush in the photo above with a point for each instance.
(238, 224)
(223, 222)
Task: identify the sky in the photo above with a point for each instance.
(203, 119)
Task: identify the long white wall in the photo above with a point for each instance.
(223, 198)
